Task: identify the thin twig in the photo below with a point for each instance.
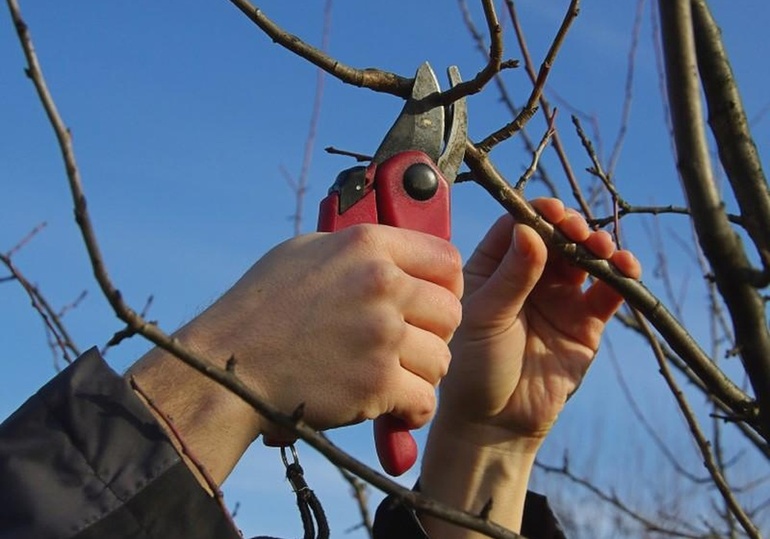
(629, 88)
(359, 157)
(185, 449)
(300, 186)
(697, 434)
(505, 97)
(546, 108)
(58, 336)
(537, 153)
(530, 108)
(612, 499)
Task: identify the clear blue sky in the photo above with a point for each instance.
(183, 117)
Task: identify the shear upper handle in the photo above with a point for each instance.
(410, 193)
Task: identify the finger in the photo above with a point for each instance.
(627, 264)
(601, 244)
(413, 400)
(598, 243)
(425, 355)
(517, 274)
(602, 299)
(490, 250)
(425, 257)
(432, 308)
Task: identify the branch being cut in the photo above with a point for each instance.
(376, 79)
(224, 376)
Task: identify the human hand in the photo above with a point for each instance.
(353, 325)
(529, 333)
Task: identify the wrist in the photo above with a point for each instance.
(467, 466)
(485, 436)
(209, 425)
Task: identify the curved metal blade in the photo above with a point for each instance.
(454, 151)
(416, 128)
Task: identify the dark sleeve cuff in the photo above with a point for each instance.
(395, 520)
(85, 458)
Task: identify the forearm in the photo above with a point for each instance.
(477, 477)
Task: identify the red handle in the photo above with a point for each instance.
(385, 194)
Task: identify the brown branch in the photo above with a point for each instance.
(597, 170)
(537, 153)
(374, 79)
(530, 107)
(721, 245)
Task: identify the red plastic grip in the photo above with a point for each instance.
(389, 203)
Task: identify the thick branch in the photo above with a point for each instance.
(730, 127)
(721, 245)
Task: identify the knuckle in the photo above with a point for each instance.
(381, 278)
(423, 407)
(443, 358)
(384, 329)
(454, 313)
(360, 237)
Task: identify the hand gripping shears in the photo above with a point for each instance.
(407, 186)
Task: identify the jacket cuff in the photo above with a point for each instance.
(393, 520)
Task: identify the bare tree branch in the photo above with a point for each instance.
(60, 340)
(720, 244)
(730, 127)
(698, 436)
(546, 107)
(505, 97)
(530, 108)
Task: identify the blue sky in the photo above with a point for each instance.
(183, 118)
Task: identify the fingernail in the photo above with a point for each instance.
(520, 245)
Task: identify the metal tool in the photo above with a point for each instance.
(407, 186)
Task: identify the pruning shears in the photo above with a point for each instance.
(407, 186)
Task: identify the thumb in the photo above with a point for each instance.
(502, 296)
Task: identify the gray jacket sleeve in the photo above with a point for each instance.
(84, 458)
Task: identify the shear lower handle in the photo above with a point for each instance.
(396, 448)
